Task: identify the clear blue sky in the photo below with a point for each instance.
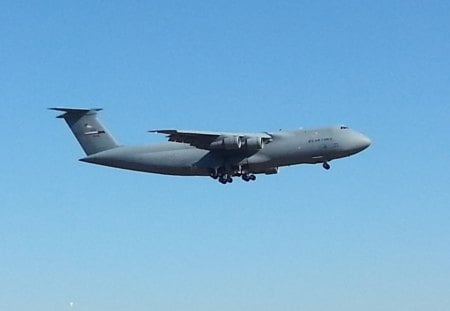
(373, 233)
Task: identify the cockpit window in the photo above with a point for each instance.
(343, 127)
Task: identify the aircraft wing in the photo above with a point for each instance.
(217, 140)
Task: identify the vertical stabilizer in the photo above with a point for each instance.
(90, 133)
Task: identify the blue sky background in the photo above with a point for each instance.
(373, 233)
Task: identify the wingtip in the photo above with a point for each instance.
(162, 131)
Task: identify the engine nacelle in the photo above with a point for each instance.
(254, 143)
(227, 143)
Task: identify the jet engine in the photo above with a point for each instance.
(227, 143)
(254, 143)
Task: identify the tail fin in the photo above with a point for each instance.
(90, 133)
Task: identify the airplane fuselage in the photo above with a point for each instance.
(285, 148)
(220, 155)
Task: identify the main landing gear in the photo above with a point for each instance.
(227, 177)
(248, 177)
(326, 165)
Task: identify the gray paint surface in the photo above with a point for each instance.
(216, 154)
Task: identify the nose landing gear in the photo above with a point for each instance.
(326, 165)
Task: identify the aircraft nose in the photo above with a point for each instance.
(364, 141)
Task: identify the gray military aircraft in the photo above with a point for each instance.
(220, 155)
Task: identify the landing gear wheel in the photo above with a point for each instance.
(248, 177)
(326, 165)
(213, 174)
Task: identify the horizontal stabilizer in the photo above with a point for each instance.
(75, 111)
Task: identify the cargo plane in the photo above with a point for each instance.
(220, 155)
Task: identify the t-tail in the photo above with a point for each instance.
(88, 130)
